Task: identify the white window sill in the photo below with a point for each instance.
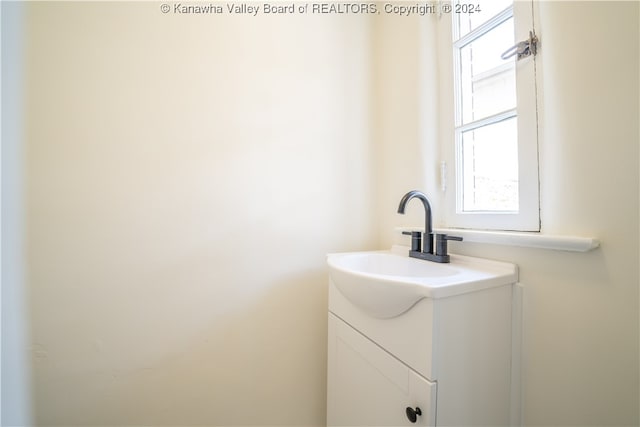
(527, 240)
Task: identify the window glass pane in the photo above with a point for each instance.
(470, 18)
(490, 167)
(487, 82)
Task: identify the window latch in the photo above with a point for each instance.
(523, 49)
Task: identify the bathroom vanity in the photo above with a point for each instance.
(413, 342)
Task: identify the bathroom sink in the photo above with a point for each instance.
(385, 284)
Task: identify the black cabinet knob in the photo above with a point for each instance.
(413, 414)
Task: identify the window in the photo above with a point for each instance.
(493, 144)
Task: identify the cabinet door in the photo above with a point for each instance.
(369, 387)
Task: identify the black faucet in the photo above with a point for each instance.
(427, 252)
(428, 231)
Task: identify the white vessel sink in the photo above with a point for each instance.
(385, 284)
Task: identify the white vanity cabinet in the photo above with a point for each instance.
(370, 387)
(452, 359)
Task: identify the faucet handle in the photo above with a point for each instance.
(441, 243)
(447, 237)
(416, 239)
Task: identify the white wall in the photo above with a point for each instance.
(186, 177)
(581, 321)
(406, 117)
(582, 333)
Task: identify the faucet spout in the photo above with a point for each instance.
(427, 245)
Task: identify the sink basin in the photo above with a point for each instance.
(386, 284)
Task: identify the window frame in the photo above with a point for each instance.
(527, 218)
